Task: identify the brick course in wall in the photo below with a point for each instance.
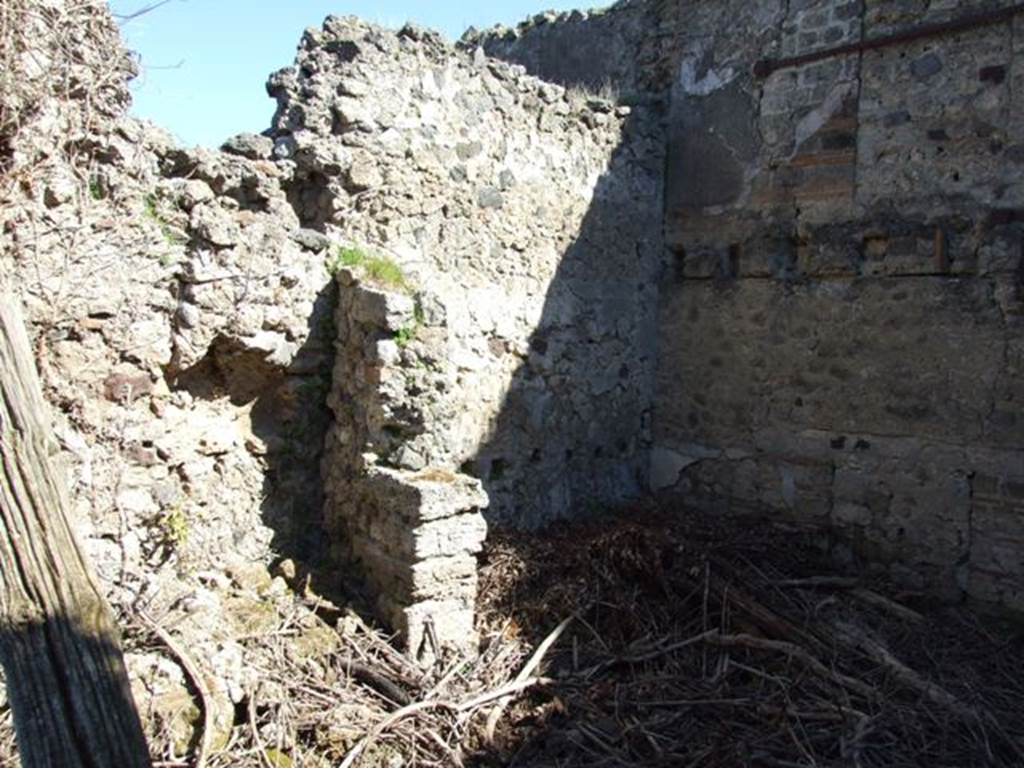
(842, 342)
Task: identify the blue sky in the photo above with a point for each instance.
(205, 62)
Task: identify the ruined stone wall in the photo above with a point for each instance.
(413, 532)
(525, 220)
(842, 341)
(181, 322)
(175, 306)
(603, 50)
(627, 51)
(839, 339)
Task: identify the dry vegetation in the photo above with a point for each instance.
(62, 76)
(646, 640)
(697, 644)
(7, 751)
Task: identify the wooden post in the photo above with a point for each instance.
(59, 646)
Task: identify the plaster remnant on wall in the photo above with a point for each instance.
(665, 468)
(697, 77)
(816, 119)
(667, 465)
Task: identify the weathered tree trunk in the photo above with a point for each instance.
(59, 647)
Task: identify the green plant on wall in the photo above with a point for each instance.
(171, 235)
(376, 269)
(407, 334)
(151, 209)
(174, 528)
(344, 257)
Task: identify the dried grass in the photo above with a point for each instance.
(8, 749)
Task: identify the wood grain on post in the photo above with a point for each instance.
(59, 647)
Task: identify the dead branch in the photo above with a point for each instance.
(859, 639)
(524, 674)
(880, 601)
(195, 675)
(124, 18)
(798, 653)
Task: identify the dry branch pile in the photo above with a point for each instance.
(326, 689)
(697, 646)
(641, 642)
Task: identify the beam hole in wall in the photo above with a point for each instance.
(498, 467)
(732, 265)
(679, 263)
(994, 75)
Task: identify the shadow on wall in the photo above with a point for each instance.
(571, 439)
(289, 417)
(548, 406)
(595, 50)
(573, 432)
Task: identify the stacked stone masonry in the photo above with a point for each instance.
(842, 341)
(413, 532)
(517, 357)
(839, 322)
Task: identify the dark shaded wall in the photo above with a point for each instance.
(625, 50)
(842, 342)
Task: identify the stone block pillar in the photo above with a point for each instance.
(403, 519)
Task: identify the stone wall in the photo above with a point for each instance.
(628, 51)
(525, 221)
(181, 320)
(181, 323)
(413, 531)
(607, 50)
(839, 331)
(842, 341)
(183, 308)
